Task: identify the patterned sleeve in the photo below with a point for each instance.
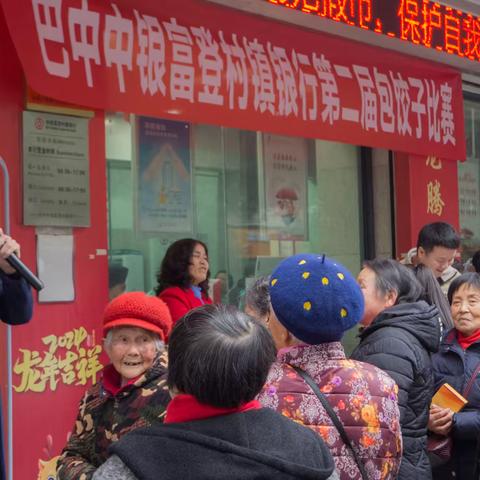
(74, 462)
(115, 469)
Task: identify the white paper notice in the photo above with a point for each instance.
(55, 268)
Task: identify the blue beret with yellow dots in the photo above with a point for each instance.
(315, 298)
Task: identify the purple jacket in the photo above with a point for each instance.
(363, 396)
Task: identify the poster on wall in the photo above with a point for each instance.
(56, 184)
(164, 185)
(285, 164)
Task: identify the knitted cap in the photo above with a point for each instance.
(314, 298)
(137, 309)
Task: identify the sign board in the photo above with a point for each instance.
(56, 189)
(421, 22)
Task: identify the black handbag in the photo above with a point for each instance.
(334, 417)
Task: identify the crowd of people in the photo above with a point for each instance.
(207, 391)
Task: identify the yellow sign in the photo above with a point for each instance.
(434, 162)
(77, 364)
(435, 203)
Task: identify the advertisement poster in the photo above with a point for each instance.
(285, 161)
(164, 195)
(56, 185)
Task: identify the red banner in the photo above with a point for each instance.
(204, 63)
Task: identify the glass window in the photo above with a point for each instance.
(469, 185)
(255, 198)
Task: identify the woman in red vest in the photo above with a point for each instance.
(183, 277)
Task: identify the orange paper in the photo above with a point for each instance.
(448, 397)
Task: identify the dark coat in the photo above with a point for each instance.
(400, 341)
(15, 300)
(254, 445)
(455, 366)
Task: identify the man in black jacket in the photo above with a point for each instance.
(15, 294)
(15, 302)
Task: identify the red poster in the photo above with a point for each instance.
(205, 63)
(426, 190)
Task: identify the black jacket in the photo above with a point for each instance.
(400, 341)
(15, 300)
(455, 366)
(257, 444)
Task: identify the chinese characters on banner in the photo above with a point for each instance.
(285, 170)
(69, 359)
(56, 186)
(178, 60)
(421, 22)
(164, 176)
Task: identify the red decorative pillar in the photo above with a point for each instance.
(426, 191)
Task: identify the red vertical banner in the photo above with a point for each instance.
(426, 191)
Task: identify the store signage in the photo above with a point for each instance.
(421, 22)
(56, 186)
(200, 62)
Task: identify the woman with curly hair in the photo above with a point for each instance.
(183, 277)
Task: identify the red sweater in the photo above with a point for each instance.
(180, 301)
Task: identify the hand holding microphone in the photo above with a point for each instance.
(11, 263)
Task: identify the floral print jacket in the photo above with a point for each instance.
(363, 396)
(104, 418)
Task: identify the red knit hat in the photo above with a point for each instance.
(137, 309)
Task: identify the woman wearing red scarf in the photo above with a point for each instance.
(219, 359)
(458, 364)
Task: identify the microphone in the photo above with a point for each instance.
(24, 272)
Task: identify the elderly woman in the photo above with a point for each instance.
(458, 364)
(308, 305)
(214, 429)
(132, 392)
(401, 332)
(183, 277)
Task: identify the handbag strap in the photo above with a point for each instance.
(471, 381)
(334, 417)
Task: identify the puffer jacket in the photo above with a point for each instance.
(105, 417)
(364, 398)
(455, 366)
(400, 341)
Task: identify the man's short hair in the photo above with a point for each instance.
(219, 355)
(438, 234)
(117, 274)
(476, 261)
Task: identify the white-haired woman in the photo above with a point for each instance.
(132, 392)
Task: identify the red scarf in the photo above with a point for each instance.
(184, 408)
(465, 342)
(112, 380)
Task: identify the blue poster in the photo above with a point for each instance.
(164, 176)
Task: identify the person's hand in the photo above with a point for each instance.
(7, 246)
(440, 420)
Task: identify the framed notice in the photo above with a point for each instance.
(285, 165)
(164, 186)
(56, 186)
